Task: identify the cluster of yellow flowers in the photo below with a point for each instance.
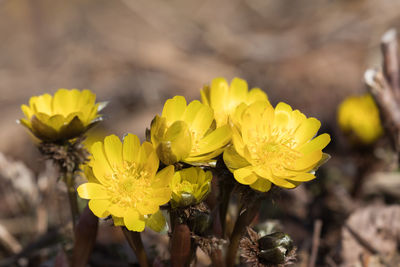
(261, 146)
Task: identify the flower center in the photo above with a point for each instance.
(276, 150)
(130, 184)
(185, 186)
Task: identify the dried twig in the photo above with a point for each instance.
(8, 241)
(384, 86)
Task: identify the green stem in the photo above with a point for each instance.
(246, 215)
(72, 197)
(135, 242)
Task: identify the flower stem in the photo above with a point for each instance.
(226, 191)
(246, 215)
(72, 197)
(135, 242)
(182, 249)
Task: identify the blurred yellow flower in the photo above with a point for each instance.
(126, 185)
(274, 146)
(359, 117)
(224, 98)
(65, 116)
(187, 133)
(190, 186)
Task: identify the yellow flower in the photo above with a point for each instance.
(190, 186)
(224, 99)
(127, 185)
(187, 133)
(274, 146)
(65, 116)
(359, 117)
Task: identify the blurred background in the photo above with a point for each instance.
(137, 53)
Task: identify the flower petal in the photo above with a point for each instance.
(307, 130)
(131, 147)
(245, 175)
(216, 139)
(101, 168)
(156, 222)
(133, 221)
(233, 160)
(99, 207)
(113, 150)
(164, 177)
(174, 109)
(308, 161)
(238, 90)
(218, 93)
(318, 143)
(262, 185)
(92, 191)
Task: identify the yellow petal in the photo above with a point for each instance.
(262, 185)
(237, 141)
(282, 115)
(99, 207)
(281, 182)
(205, 95)
(118, 221)
(177, 142)
(174, 109)
(245, 175)
(131, 147)
(152, 163)
(147, 207)
(156, 222)
(203, 120)
(318, 143)
(56, 121)
(161, 195)
(308, 161)
(133, 221)
(117, 210)
(164, 177)
(27, 111)
(113, 150)
(216, 139)
(191, 112)
(218, 93)
(233, 160)
(256, 94)
(307, 130)
(238, 90)
(297, 119)
(42, 104)
(303, 177)
(92, 191)
(64, 101)
(100, 165)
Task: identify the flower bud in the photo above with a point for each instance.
(190, 186)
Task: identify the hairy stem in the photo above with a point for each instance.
(135, 242)
(246, 215)
(72, 197)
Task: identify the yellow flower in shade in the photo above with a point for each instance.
(190, 186)
(274, 146)
(65, 116)
(187, 133)
(224, 98)
(359, 117)
(126, 185)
